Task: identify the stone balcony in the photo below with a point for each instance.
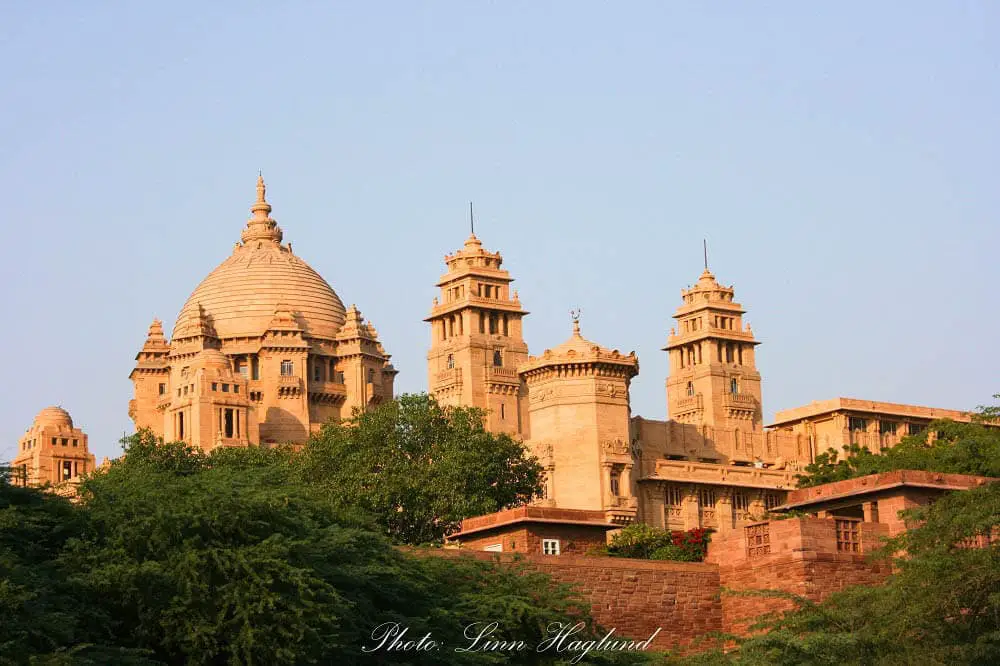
(684, 471)
(163, 401)
(289, 385)
(447, 378)
(690, 403)
(327, 392)
(502, 375)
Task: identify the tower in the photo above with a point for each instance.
(53, 452)
(713, 377)
(476, 339)
(579, 400)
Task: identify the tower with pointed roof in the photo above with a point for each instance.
(263, 351)
(578, 394)
(713, 377)
(476, 339)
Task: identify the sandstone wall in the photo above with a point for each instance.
(634, 596)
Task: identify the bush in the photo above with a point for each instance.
(641, 541)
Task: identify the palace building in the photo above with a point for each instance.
(263, 352)
(712, 464)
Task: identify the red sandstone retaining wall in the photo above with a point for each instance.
(801, 558)
(634, 596)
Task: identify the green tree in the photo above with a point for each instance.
(419, 468)
(178, 557)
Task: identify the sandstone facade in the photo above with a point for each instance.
(263, 352)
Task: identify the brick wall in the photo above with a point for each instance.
(635, 596)
(797, 555)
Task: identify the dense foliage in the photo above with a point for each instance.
(177, 557)
(641, 541)
(419, 468)
(942, 604)
(958, 448)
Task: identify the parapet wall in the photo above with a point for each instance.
(636, 597)
(807, 557)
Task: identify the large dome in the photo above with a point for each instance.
(240, 297)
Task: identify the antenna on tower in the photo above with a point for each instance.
(704, 246)
(472, 220)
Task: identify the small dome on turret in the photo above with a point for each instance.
(53, 416)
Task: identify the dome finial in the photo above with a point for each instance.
(575, 316)
(261, 226)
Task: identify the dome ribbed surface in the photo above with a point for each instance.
(55, 416)
(241, 295)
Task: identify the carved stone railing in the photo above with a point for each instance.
(690, 402)
(448, 377)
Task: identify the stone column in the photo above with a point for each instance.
(689, 510)
(724, 510)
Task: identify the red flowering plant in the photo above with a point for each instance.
(641, 541)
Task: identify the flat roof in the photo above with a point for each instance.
(534, 514)
(873, 483)
(820, 407)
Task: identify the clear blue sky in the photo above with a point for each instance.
(841, 160)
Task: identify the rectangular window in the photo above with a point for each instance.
(185, 390)
(236, 388)
(914, 428)
(229, 426)
(243, 370)
(254, 368)
(741, 501)
(616, 483)
(180, 425)
(340, 377)
(857, 424)
(163, 389)
(215, 386)
(550, 546)
(225, 388)
(65, 441)
(887, 427)
(67, 470)
(675, 495)
(287, 368)
(76, 442)
(494, 548)
(53, 441)
(848, 536)
(771, 500)
(317, 371)
(706, 498)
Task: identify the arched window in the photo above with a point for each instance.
(497, 359)
(451, 361)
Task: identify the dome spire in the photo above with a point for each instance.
(261, 226)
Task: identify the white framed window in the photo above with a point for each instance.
(287, 368)
(550, 546)
(494, 548)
